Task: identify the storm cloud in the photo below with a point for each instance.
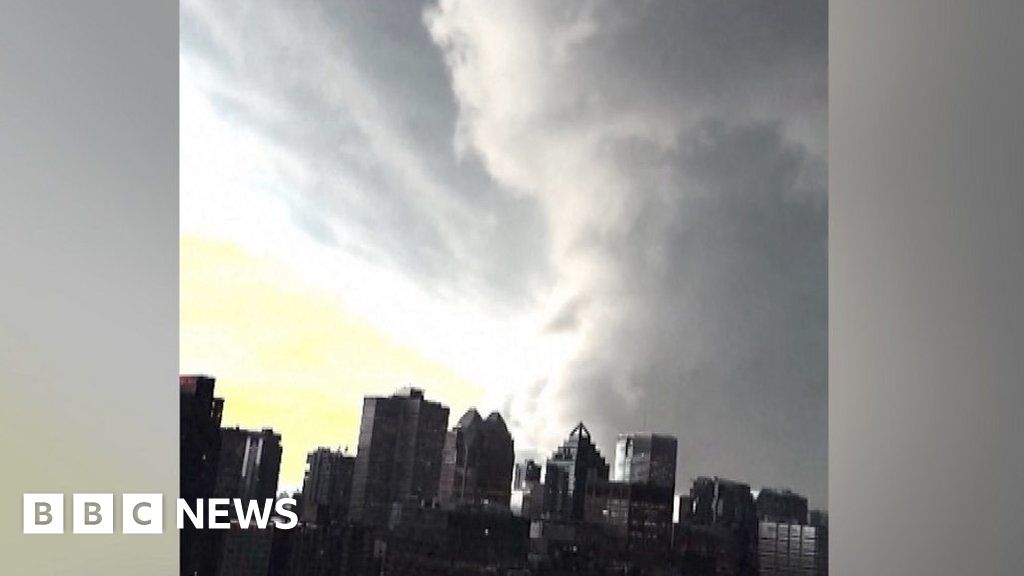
(647, 178)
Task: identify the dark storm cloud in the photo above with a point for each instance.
(358, 94)
(679, 152)
(648, 177)
(721, 336)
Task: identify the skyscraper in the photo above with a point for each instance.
(525, 475)
(729, 508)
(567, 472)
(527, 491)
(637, 515)
(646, 458)
(199, 415)
(476, 466)
(781, 506)
(401, 438)
(788, 549)
(327, 487)
(250, 462)
(636, 507)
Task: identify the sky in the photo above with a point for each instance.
(598, 211)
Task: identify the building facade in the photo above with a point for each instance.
(781, 506)
(725, 512)
(249, 464)
(199, 415)
(568, 471)
(401, 438)
(646, 458)
(327, 486)
(477, 462)
(786, 549)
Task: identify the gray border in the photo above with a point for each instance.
(89, 275)
(925, 266)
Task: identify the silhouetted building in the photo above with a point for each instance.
(327, 486)
(646, 458)
(781, 506)
(324, 550)
(199, 415)
(789, 549)
(727, 510)
(683, 508)
(246, 551)
(476, 466)
(636, 516)
(525, 475)
(401, 438)
(199, 429)
(467, 540)
(567, 472)
(249, 465)
(527, 491)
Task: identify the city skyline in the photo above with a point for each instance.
(612, 460)
(575, 211)
(418, 497)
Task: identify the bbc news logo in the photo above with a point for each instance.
(144, 513)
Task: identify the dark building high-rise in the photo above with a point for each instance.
(567, 472)
(401, 438)
(327, 487)
(471, 540)
(199, 415)
(638, 516)
(527, 491)
(249, 465)
(636, 507)
(781, 506)
(684, 508)
(476, 466)
(717, 501)
(526, 475)
(789, 549)
(728, 508)
(646, 458)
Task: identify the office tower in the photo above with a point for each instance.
(683, 508)
(717, 501)
(637, 516)
(199, 415)
(401, 438)
(567, 472)
(327, 486)
(781, 506)
(790, 549)
(729, 508)
(476, 466)
(646, 458)
(249, 465)
(525, 475)
(527, 492)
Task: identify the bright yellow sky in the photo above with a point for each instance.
(291, 357)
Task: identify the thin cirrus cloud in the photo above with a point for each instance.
(636, 192)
